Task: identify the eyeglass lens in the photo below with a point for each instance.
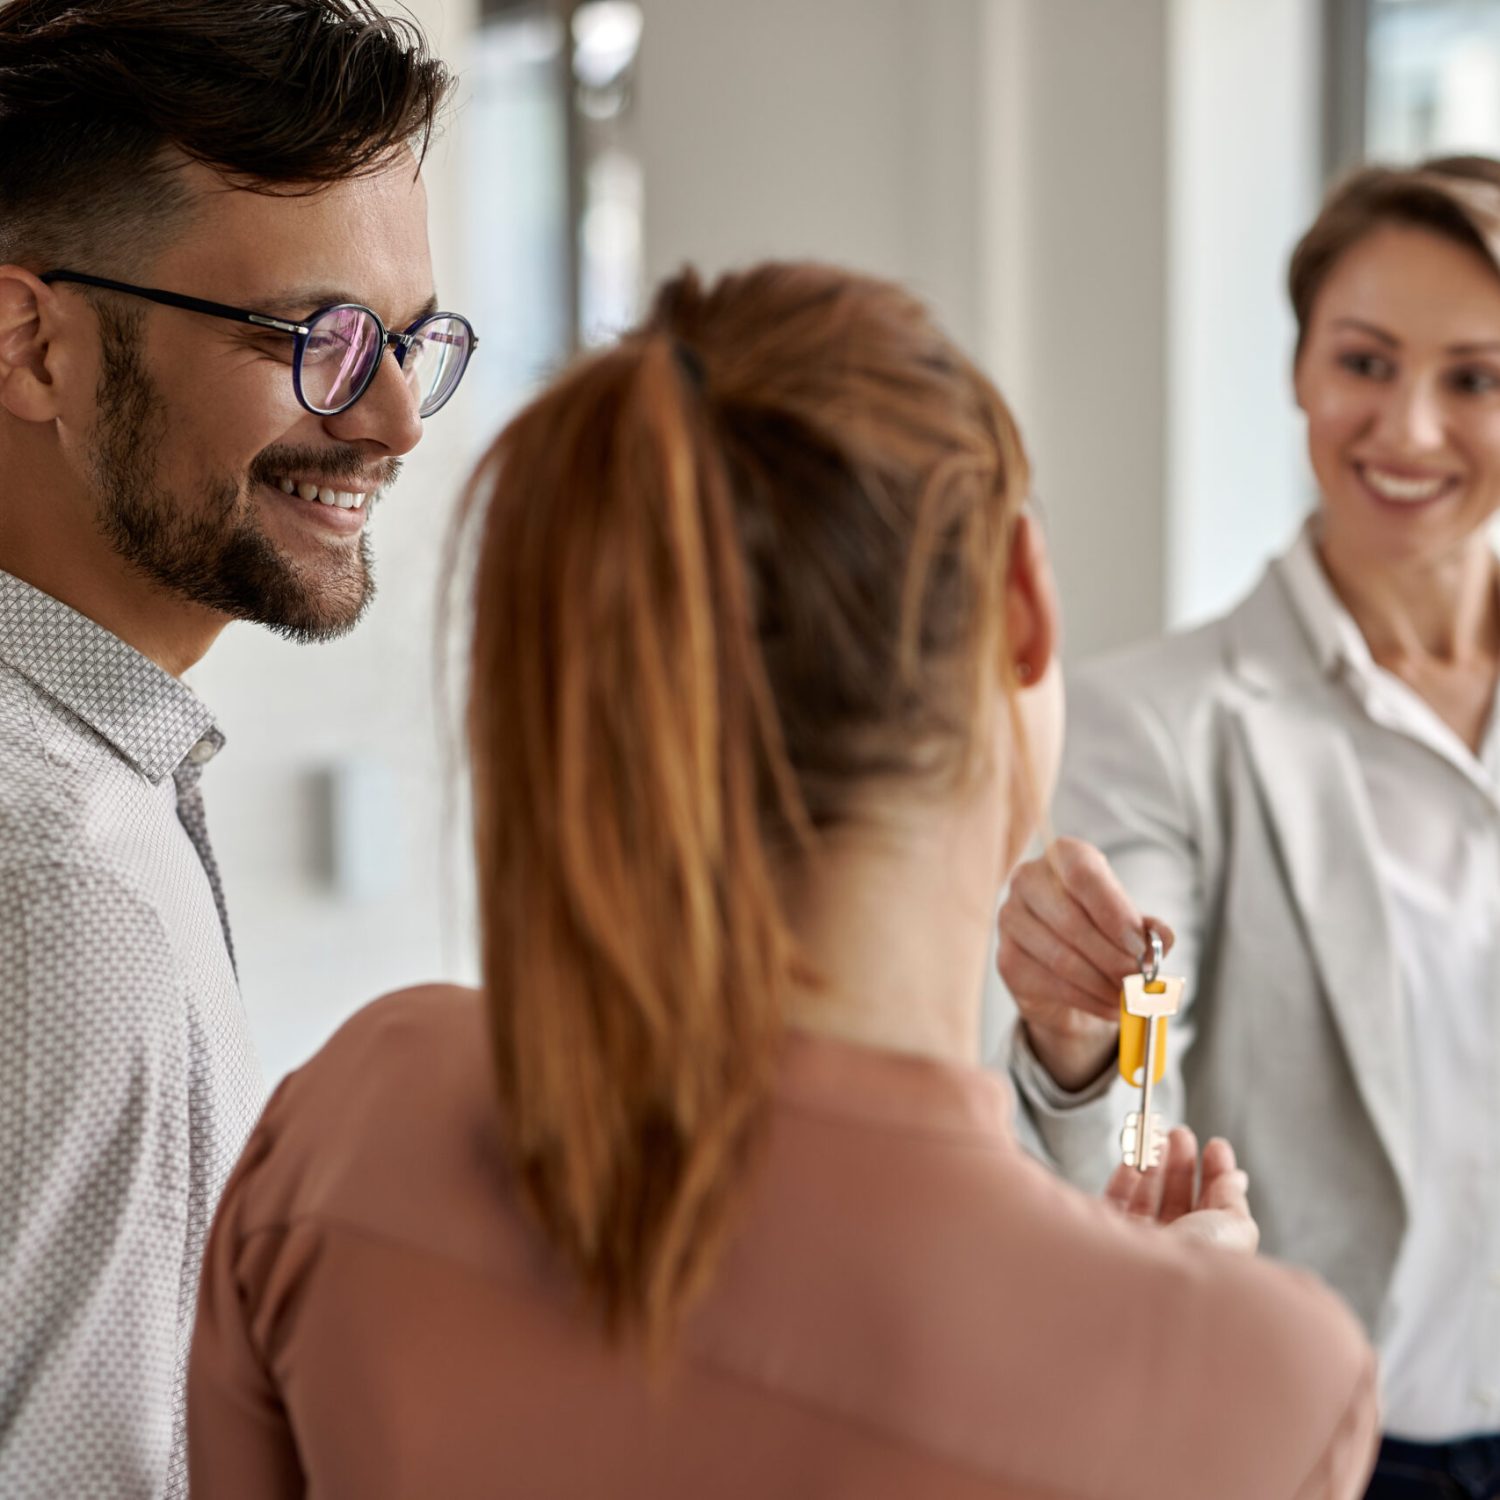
(338, 352)
(435, 362)
(344, 344)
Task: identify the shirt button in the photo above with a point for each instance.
(1489, 1396)
(203, 752)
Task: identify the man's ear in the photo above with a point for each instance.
(1031, 613)
(28, 323)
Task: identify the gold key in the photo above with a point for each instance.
(1146, 1000)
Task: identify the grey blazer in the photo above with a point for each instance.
(1214, 772)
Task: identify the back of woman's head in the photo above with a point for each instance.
(1454, 197)
(733, 572)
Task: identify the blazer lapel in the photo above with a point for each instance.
(1314, 794)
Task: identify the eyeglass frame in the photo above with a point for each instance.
(399, 341)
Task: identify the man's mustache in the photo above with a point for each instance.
(346, 467)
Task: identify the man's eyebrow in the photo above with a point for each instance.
(301, 303)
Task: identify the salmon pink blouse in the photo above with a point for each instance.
(910, 1307)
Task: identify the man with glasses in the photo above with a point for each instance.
(218, 335)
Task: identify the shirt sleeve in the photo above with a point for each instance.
(1121, 789)
(93, 1198)
(240, 1441)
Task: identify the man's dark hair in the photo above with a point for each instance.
(101, 100)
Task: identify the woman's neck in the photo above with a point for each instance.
(1443, 611)
(1434, 624)
(895, 918)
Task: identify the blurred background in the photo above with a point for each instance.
(1097, 196)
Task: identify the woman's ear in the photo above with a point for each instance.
(1032, 620)
(27, 387)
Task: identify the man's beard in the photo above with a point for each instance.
(213, 552)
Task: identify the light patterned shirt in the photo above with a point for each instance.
(127, 1079)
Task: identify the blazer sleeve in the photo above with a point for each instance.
(1123, 788)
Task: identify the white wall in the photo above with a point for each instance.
(1098, 197)
(1078, 256)
(1148, 167)
(1005, 158)
(1245, 182)
(840, 130)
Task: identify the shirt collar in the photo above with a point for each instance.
(1340, 650)
(1337, 642)
(145, 713)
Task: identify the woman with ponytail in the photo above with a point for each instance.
(704, 1195)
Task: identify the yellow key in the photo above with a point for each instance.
(1147, 999)
(1133, 1040)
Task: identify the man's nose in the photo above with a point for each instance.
(386, 415)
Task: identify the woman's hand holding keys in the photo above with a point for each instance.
(1069, 935)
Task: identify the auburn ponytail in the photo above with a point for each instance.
(620, 711)
(728, 572)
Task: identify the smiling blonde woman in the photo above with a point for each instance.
(1308, 792)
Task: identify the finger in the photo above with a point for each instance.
(1055, 909)
(1160, 928)
(1087, 878)
(1042, 943)
(1178, 1178)
(1218, 1163)
(1049, 892)
(1143, 1192)
(1038, 991)
(1119, 1191)
(1230, 1193)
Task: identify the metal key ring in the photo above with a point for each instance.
(1152, 957)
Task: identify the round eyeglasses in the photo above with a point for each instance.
(337, 350)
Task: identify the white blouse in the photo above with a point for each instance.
(1436, 808)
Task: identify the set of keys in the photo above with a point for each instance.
(1146, 1001)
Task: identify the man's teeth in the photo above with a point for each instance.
(1393, 487)
(341, 499)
